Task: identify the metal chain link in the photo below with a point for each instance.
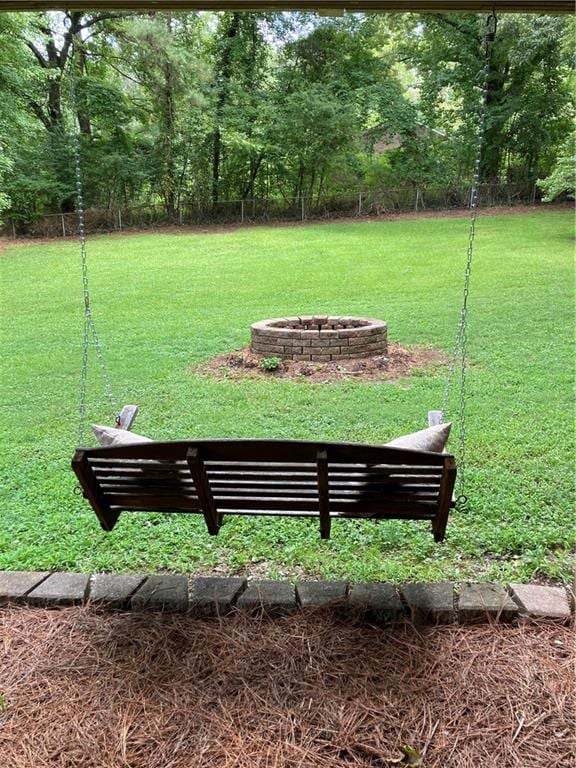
(459, 353)
(89, 332)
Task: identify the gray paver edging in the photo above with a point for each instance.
(440, 603)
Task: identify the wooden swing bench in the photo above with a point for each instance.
(279, 478)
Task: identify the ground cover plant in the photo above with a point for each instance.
(168, 301)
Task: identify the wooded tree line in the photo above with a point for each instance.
(201, 106)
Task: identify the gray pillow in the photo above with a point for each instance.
(111, 436)
(429, 439)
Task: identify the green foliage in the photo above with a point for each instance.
(164, 302)
(270, 363)
(181, 108)
(528, 111)
(5, 166)
(562, 180)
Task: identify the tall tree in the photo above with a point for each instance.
(161, 52)
(526, 96)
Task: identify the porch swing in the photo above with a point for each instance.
(278, 478)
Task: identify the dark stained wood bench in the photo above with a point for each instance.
(268, 477)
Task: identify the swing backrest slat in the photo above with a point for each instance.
(268, 477)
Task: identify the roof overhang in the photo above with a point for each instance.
(323, 6)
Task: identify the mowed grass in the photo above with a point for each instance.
(164, 302)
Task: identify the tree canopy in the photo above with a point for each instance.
(184, 107)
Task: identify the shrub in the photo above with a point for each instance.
(270, 363)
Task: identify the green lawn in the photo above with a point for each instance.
(166, 301)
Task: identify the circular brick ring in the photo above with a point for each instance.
(319, 338)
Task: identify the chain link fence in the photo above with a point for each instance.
(229, 212)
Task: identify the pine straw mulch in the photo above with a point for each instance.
(399, 362)
(85, 689)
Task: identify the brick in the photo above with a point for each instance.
(432, 603)
(320, 319)
(378, 602)
(61, 589)
(478, 602)
(360, 339)
(275, 598)
(329, 334)
(314, 594)
(212, 596)
(261, 325)
(302, 357)
(15, 585)
(261, 333)
(114, 590)
(348, 333)
(161, 592)
(320, 358)
(269, 349)
(537, 601)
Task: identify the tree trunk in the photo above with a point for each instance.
(168, 131)
(82, 113)
(255, 167)
(494, 144)
(223, 83)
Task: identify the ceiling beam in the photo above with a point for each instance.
(440, 6)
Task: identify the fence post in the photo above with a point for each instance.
(303, 209)
(119, 219)
(242, 211)
(534, 193)
(13, 228)
(359, 203)
(180, 219)
(63, 225)
(417, 196)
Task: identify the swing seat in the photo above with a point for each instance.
(278, 478)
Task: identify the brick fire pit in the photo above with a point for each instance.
(319, 338)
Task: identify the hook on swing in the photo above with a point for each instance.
(491, 26)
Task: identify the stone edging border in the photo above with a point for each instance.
(438, 603)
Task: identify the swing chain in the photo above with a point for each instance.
(89, 325)
(459, 353)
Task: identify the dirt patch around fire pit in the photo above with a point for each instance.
(398, 363)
